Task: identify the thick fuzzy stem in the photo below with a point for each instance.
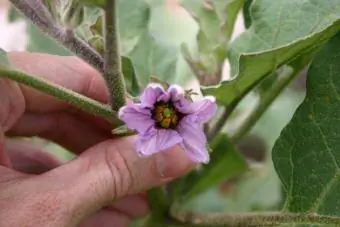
(112, 62)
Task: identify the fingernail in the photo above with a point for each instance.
(173, 163)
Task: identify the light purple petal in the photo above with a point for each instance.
(194, 140)
(177, 96)
(151, 95)
(204, 109)
(136, 117)
(176, 92)
(157, 140)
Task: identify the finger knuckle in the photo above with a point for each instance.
(120, 171)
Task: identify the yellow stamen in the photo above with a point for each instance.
(165, 115)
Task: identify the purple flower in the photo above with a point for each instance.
(166, 118)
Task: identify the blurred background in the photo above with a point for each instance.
(258, 189)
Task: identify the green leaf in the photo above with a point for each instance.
(131, 80)
(39, 42)
(231, 9)
(151, 58)
(277, 35)
(246, 13)
(123, 131)
(216, 20)
(210, 24)
(13, 14)
(4, 62)
(306, 155)
(133, 18)
(225, 162)
(169, 27)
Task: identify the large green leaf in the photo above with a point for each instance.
(306, 155)
(277, 35)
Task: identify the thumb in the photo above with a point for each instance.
(110, 170)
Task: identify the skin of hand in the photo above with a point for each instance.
(103, 186)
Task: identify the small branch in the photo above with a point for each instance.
(252, 219)
(219, 124)
(39, 15)
(112, 62)
(265, 101)
(61, 93)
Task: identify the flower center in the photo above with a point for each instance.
(165, 115)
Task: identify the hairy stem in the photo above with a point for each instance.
(82, 102)
(39, 15)
(265, 101)
(252, 219)
(112, 62)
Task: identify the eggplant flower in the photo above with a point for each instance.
(165, 118)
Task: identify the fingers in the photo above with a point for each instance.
(28, 158)
(69, 72)
(74, 134)
(106, 218)
(133, 206)
(110, 171)
(77, 131)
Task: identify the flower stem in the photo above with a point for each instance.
(112, 62)
(82, 102)
(252, 219)
(39, 15)
(265, 101)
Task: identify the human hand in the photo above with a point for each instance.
(37, 189)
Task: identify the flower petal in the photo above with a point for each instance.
(194, 140)
(151, 95)
(204, 109)
(177, 96)
(136, 117)
(157, 140)
(176, 92)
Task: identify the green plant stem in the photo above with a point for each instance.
(252, 219)
(265, 101)
(82, 102)
(112, 62)
(159, 205)
(39, 15)
(219, 124)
